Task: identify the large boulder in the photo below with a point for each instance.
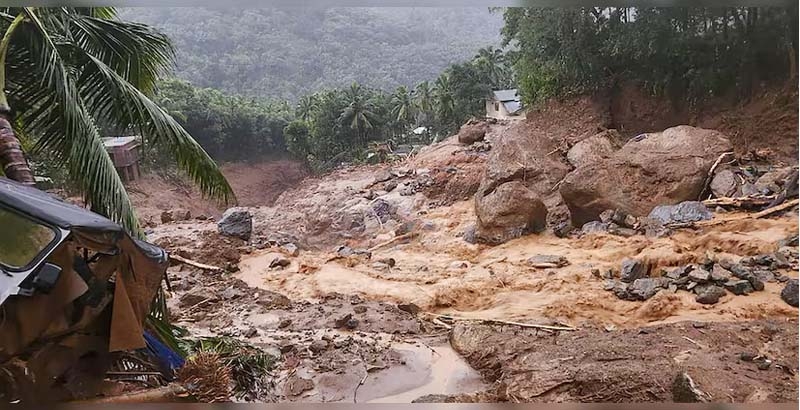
(509, 211)
(472, 132)
(594, 149)
(652, 169)
(236, 222)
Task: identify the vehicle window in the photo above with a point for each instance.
(21, 239)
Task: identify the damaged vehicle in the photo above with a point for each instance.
(75, 287)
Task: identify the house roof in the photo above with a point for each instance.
(110, 142)
(512, 106)
(505, 95)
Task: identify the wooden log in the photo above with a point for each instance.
(190, 262)
(168, 394)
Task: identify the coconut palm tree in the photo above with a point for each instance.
(443, 98)
(359, 113)
(305, 107)
(492, 63)
(69, 72)
(423, 102)
(402, 106)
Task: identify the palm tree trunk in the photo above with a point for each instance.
(11, 157)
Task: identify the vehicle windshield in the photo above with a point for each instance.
(21, 240)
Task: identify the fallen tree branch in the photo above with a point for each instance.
(190, 262)
(391, 241)
(506, 322)
(167, 394)
(741, 202)
(774, 209)
(756, 215)
(710, 175)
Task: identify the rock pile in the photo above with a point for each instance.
(619, 222)
(709, 281)
(753, 181)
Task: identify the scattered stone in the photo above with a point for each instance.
(614, 229)
(563, 229)
(699, 275)
(610, 284)
(644, 288)
(197, 296)
(360, 309)
(236, 222)
(383, 176)
(286, 346)
(231, 293)
(280, 262)
(548, 261)
(684, 390)
(284, 323)
(765, 365)
(633, 269)
(251, 332)
(789, 294)
(166, 217)
(433, 398)
(347, 322)
(764, 275)
(596, 273)
(297, 385)
(724, 184)
(318, 346)
(738, 286)
(470, 234)
(291, 249)
(457, 265)
(595, 227)
(409, 307)
(272, 300)
(689, 211)
(390, 262)
(720, 274)
(710, 295)
(606, 216)
(747, 356)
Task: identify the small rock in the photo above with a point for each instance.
(360, 309)
(197, 296)
(470, 233)
(390, 186)
(720, 274)
(272, 300)
(747, 356)
(344, 251)
(318, 346)
(684, 390)
(166, 217)
(595, 227)
(409, 307)
(297, 385)
(251, 332)
(236, 222)
(689, 211)
(596, 273)
(563, 229)
(607, 215)
(286, 346)
(789, 294)
(609, 284)
(347, 322)
(383, 176)
(764, 275)
(291, 249)
(280, 262)
(390, 262)
(284, 323)
(765, 365)
(548, 261)
(456, 265)
(433, 398)
(710, 295)
(620, 231)
(738, 286)
(644, 288)
(699, 275)
(633, 269)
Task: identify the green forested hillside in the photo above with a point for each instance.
(290, 52)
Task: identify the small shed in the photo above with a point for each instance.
(503, 104)
(124, 152)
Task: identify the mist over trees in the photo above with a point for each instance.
(290, 52)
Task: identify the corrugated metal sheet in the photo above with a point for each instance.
(506, 95)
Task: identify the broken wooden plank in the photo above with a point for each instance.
(741, 202)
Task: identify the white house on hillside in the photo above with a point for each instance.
(503, 104)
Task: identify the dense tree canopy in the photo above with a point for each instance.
(685, 52)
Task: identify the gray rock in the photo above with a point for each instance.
(548, 261)
(744, 273)
(470, 234)
(237, 222)
(595, 227)
(739, 286)
(197, 296)
(789, 294)
(433, 398)
(699, 275)
(409, 308)
(280, 262)
(614, 229)
(724, 184)
(749, 189)
(677, 273)
(272, 300)
(291, 249)
(633, 269)
(689, 211)
(563, 229)
(764, 275)
(720, 274)
(318, 346)
(684, 390)
(710, 295)
(644, 288)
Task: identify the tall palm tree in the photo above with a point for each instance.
(444, 101)
(492, 62)
(68, 72)
(359, 113)
(305, 107)
(423, 101)
(402, 106)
